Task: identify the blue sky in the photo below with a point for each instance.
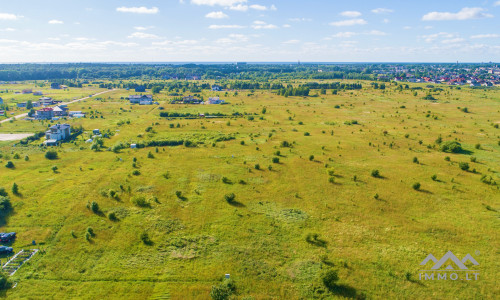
(249, 30)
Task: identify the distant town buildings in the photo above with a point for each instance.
(215, 100)
(27, 91)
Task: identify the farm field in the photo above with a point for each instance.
(277, 192)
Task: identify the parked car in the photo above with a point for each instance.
(7, 237)
(4, 250)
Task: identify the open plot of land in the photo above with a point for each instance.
(305, 200)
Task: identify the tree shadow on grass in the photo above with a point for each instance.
(425, 191)
(346, 291)
(236, 204)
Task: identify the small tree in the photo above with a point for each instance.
(464, 166)
(434, 177)
(15, 189)
(416, 186)
(375, 173)
(276, 160)
(311, 157)
(51, 154)
(9, 165)
(230, 198)
(94, 207)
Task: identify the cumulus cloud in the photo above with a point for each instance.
(142, 28)
(466, 13)
(9, 17)
(382, 11)
(300, 20)
(346, 34)
(138, 10)
(350, 14)
(290, 42)
(224, 3)
(226, 26)
(8, 29)
(263, 25)
(55, 22)
(143, 35)
(351, 22)
(486, 36)
(496, 3)
(216, 15)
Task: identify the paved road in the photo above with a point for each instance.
(70, 102)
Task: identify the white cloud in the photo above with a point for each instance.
(350, 14)
(290, 42)
(224, 3)
(142, 28)
(263, 25)
(233, 39)
(407, 27)
(466, 13)
(382, 11)
(453, 41)
(138, 10)
(496, 3)
(351, 22)
(239, 7)
(143, 35)
(386, 21)
(486, 36)
(258, 7)
(226, 27)
(287, 26)
(432, 37)
(9, 17)
(216, 15)
(347, 34)
(8, 29)
(55, 22)
(375, 32)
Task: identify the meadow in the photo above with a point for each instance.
(278, 196)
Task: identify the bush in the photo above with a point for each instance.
(276, 160)
(112, 216)
(26, 158)
(3, 192)
(473, 159)
(136, 173)
(179, 194)
(222, 291)
(5, 204)
(4, 280)
(94, 207)
(416, 186)
(375, 173)
(140, 201)
(257, 167)
(51, 154)
(434, 177)
(331, 179)
(9, 165)
(477, 146)
(311, 157)
(226, 180)
(150, 155)
(145, 238)
(330, 279)
(230, 198)
(451, 147)
(464, 166)
(415, 160)
(16, 156)
(15, 189)
(54, 169)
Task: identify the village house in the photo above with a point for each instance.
(22, 104)
(191, 100)
(46, 113)
(44, 101)
(215, 100)
(57, 133)
(27, 91)
(37, 93)
(60, 111)
(141, 99)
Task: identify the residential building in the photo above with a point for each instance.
(44, 101)
(37, 93)
(46, 113)
(191, 100)
(22, 104)
(141, 99)
(60, 111)
(27, 91)
(215, 100)
(57, 133)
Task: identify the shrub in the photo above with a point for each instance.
(307, 134)
(26, 158)
(16, 156)
(54, 169)
(257, 167)
(222, 291)
(9, 165)
(226, 180)
(447, 158)
(4, 280)
(94, 207)
(331, 179)
(416, 186)
(330, 279)
(375, 173)
(276, 160)
(415, 160)
(136, 173)
(15, 189)
(51, 154)
(3, 192)
(90, 231)
(242, 143)
(145, 238)
(150, 155)
(230, 197)
(311, 157)
(434, 177)
(473, 159)
(285, 144)
(376, 196)
(140, 201)
(477, 146)
(178, 194)
(464, 166)
(451, 147)
(5, 204)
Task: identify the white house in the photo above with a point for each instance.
(141, 99)
(57, 132)
(215, 100)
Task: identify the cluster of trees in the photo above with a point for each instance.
(333, 86)
(299, 91)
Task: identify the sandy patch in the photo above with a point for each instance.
(14, 136)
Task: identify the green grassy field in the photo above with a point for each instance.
(373, 231)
